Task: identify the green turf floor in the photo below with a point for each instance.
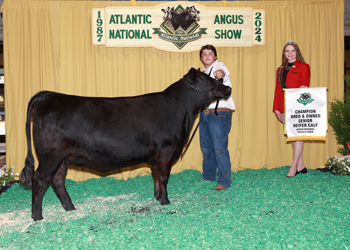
(261, 210)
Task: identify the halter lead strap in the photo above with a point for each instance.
(217, 102)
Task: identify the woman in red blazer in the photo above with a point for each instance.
(293, 73)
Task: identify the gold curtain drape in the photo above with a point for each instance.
(47, 46)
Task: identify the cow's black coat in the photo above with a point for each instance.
(105, 134)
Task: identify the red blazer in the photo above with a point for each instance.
(297, 76)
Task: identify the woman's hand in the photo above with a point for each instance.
(278, 115)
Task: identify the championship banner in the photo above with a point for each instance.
(305, 114)
(177, 26)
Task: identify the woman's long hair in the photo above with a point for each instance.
(300, 57)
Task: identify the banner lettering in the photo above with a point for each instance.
(306, 114)
(177, 26)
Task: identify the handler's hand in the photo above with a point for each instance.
(303, 86)
(219, 74)
(278, 115)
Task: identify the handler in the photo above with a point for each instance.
(293, 73)
(214, 129)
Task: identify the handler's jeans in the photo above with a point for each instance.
(214, 140)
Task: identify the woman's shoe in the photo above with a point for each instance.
(303, 171)
(293, 175)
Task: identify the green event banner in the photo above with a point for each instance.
(177, 26)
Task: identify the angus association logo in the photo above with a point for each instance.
(179, 26)
(305, 98)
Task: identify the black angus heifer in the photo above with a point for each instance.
(105, 134)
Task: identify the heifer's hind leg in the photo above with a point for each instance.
(58, 184)
(40, 183)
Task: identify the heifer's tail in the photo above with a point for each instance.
(28, 170)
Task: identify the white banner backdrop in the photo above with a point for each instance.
(306, 114)
(177, 26)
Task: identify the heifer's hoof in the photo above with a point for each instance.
(68, 208)
(36, 218)
(166, 202)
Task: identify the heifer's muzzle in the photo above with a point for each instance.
(220, 90)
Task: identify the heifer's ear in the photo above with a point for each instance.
(192, 69)
(191, 75)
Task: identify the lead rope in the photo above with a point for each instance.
(217, 102)
(188, 144)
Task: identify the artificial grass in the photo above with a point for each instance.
(261, 210)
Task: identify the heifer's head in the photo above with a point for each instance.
(167, 13)
(193, 13)
(211, 88)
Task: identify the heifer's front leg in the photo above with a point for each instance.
(58, 184)
(163, 177)
(39, 186)
(156, 182)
